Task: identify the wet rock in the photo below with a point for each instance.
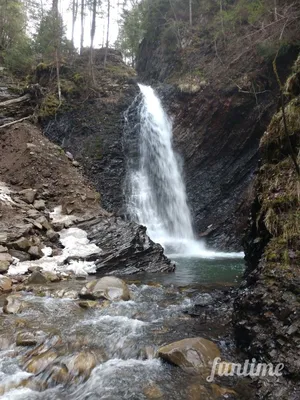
(28, 195)
(12, 385)
(43, 348)
(153, 392)
(5, 261)
(51, 276)
(203, 299)
(44, 222)
(22, 244)
(198, 392)
(125, 245)
(192, 354)
(33, 213)
(37, 278)
(70, 294)
(35, 252)
(5, 284)
(13, 304)
(26, 339)
(39, 205)
(3, 238)
(37, 225)
(20, 255)
(87, 304)
(3, 249)
(220, 392)
(39, 362)
(52, 235)
(109, 287)
(82, 364)
(55, 374)
(34, 268)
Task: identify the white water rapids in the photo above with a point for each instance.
(157, 196)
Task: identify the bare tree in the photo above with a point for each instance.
(93, 31)
(82, 11)
(74, 17)
(191, 12)
(107, 32)
(275, 10)
(57, 44)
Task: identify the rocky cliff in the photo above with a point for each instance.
(267, 310)
(221, 93)
(90, 125)
(43, 188)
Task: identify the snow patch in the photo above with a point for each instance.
(57, 216)
(5, 194)
(76, 245)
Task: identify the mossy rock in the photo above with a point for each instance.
(49, 106)
(69, 88)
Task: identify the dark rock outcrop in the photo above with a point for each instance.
(90, 126)
(126, 248)
(217, 132)
(267, 317)
(222, 95)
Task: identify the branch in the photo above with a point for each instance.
(15, 122)
(14, 101)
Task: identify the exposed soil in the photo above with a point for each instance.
(29, 160)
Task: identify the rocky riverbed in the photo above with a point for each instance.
(104, 338)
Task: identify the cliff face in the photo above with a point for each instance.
(221, 97)
(91, 124)
(217, 134)
(267, 311)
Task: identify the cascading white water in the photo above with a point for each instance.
(157, 196)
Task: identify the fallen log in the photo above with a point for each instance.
(15, 122)
(8, 103)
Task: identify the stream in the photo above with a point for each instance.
(58, 347)
(124, 336)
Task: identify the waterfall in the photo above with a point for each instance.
(157, 196)
(155, 190)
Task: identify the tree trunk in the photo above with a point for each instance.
(107, 32)
(56, 35)
(74, 18)
(82, 25)
(191, 12)
(275, 10)
(93, 31)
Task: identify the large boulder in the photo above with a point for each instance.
(194, 355)
(109, 287)
(126, 247)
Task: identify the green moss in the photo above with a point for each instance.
(119, 70)
(279, 189)
(49, 106)
(276, 134)
(68, 87)
(78, 78)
